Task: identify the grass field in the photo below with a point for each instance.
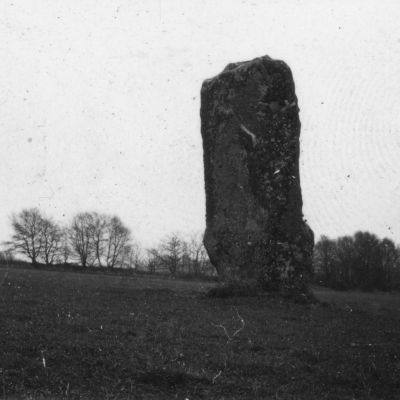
(77, 336)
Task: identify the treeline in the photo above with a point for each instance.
(91, 239)
(99, 241)
(362, 261)
(178, 256)
(94, 240)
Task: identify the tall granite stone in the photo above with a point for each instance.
(250, 127)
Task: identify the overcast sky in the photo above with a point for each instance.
(99, 106)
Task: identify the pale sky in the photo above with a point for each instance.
(99, 106)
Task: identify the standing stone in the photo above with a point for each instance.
(250, 127)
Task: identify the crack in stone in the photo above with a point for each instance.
(251, 134)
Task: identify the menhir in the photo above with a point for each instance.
(250, 126)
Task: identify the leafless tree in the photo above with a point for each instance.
(173, 248)
(153, 260)
(65, 248)
(80, 236)
(117, 238)
(51, 239)
(132, 255)
(325, 257)
(171, 251)
(346, 256)
(389, 257)
(98, 231)
(197, 252)
(27, 238)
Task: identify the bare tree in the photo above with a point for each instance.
(389, 258)
(154, 260)
(185, 264)
(65, 248)
(51, 239)
(171, 251)
(132, 255)
(27, 238)
(324, 258)
(98, 232)
(117, 238)
(80, 236)
(197, 252)
(346, 257)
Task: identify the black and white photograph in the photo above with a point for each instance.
(200, 200)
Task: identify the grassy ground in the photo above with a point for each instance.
(70, 336)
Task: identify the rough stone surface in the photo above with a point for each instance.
(250, 128)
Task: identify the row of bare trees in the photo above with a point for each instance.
(99, 240)
(176, 255)
(360, 261)
(92, 239)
